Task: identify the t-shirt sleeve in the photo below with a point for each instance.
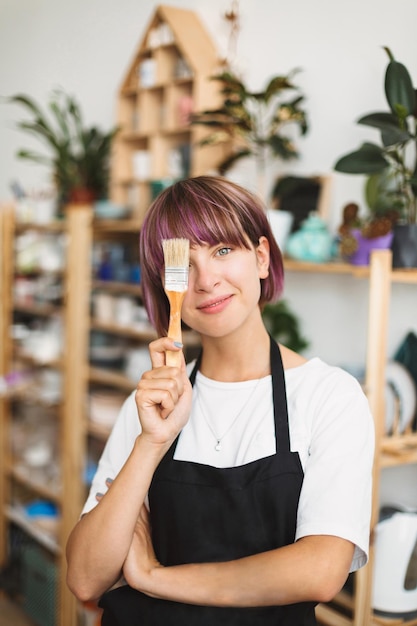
(336, 495)
(118, 447)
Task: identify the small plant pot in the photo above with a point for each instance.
(81, 195)
(362, 255)
(404, 245)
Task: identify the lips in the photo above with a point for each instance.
(216, 305)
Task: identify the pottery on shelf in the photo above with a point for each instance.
(362, 255)
(404, 245)
(313, 242)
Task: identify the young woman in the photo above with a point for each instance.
(237, 488)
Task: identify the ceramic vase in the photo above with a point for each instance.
(404, 245)
(281, 223)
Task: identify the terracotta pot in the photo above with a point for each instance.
(404, 245)
(81, 195)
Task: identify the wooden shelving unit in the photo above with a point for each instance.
(167, 79)
(391, 450)
(20, 484)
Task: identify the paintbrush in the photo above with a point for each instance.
(176, 258)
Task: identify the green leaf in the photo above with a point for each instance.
(413, 180)
(369, 159)
(33, 156)
(284, 325)
(387, 123)
(399, 90)
(282, 147)
(229, 161)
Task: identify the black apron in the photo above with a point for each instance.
(203, 514)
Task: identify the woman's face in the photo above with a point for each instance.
(224, 287)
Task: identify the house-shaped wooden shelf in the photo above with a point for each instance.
(168, 78)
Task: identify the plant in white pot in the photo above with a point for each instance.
(256, 124)
(395, 159)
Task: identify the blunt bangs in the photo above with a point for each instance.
(205, 210)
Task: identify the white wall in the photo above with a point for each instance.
(85, 46)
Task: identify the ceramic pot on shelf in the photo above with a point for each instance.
(312, 242)
(281, 225)
(404, 246)
(362, 255)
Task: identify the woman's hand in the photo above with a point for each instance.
(141, 559)
(163, 396)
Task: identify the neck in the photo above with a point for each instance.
(237, 357)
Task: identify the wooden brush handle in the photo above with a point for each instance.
(174, 330)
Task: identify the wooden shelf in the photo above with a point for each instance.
(111, 377)
(124, 331)
(44, 538)
(51, 227)
(24, 476)
(117, 226)
(98, 430)
(334, 267)
(399, 449)
(154, 108)
(116, 287)
(339, 267)
(37, 308)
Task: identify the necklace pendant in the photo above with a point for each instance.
(218, 446)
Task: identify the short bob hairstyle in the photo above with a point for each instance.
(205, 210)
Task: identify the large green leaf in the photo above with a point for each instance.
(399, 90)
(387, 123)
(369, 159)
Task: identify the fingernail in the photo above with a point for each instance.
(99, 494)
(178, 344)
(109, 480)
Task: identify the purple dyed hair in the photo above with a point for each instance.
(205, 209)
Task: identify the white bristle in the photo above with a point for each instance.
(176, 258)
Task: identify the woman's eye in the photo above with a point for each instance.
(224, 251)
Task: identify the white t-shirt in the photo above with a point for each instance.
(330, 427)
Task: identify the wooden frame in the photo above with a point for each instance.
(301, 195)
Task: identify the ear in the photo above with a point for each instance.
(262, 255)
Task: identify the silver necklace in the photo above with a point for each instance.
(218, 438)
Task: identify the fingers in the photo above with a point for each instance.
(161, 386)
(158, 391)
(99, 495)
(158, 349)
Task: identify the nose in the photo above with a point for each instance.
(203, 277)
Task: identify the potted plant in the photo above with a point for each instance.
(395, 159)
(284, 325)
(254, 123)
(79, 156)
(359, 235)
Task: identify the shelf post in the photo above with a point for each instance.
(6, 271)
(76, 306)
(378, 315)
